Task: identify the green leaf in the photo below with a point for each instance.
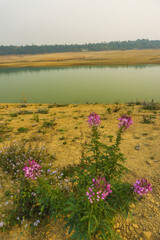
(71, 228)
(84, 218)
(42, 208)
(90, 224)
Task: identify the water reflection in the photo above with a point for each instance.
(102, 84)
(38, 69)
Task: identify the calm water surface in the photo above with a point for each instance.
(80, 84)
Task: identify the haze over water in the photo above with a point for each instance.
(80, 84)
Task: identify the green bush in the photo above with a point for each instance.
(23, 130)
(42, 111)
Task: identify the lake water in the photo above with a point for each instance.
(80, 84)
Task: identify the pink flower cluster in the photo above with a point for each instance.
(142, 187)
(94, 119)
(32, 169)
(125, 121)
(99, 190)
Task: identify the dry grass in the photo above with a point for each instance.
(144, 161)
(129, 57)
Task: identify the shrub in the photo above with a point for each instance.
(42, 111)
(36, 117)
(13, 114)
(147, 120)
(48, 124)
(23, 130)
(14, 156)
(25, 112)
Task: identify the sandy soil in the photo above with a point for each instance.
(140, 146)
(129, 57)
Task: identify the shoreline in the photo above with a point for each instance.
(69, 59)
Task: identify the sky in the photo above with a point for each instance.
(27, 22)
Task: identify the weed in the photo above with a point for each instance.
(23, 105)
(110, 137)
(23, 130)
(48, 124)
(61, 130)
(22, 112)
(147, 120)
(109, 110)
(74, 139)
(129, 112)
(36, 117)
(42, 111)
(144, 134)
(150, 106)
(81, 116)
(42, 131)
(62, 138)
(116, 109)
(13, 114)
(13, 157)
(51, 105)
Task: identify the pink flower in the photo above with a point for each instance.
(32, 170)
(94, 119)
(100, 190)
(142, 187)
(125, 121)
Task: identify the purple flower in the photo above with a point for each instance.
(142, 187)
(94, 119)
(1, 224)
(32, 170)
(125, 121)
(100, 190)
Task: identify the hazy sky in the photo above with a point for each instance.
(77, 21)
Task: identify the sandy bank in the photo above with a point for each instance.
(129, 57)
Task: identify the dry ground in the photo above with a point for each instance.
(140, 146)
(128, 57)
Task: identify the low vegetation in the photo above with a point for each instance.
(89, 196)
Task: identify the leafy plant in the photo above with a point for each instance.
(42, 111)
(47, 124)
(147, 120)
(13, 157)
(36, 117)
(13, 114)
(22, 130)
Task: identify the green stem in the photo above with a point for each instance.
(118, 139)
(96, 146)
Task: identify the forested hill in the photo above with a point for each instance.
(103, 46)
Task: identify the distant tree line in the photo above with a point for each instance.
(103, 46)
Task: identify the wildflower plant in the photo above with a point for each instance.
(88, 195)
(14, 156)
(32, 169)
(99, 190)
(142, 187)
(94, 119)
(125, 122)
(99, 193)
